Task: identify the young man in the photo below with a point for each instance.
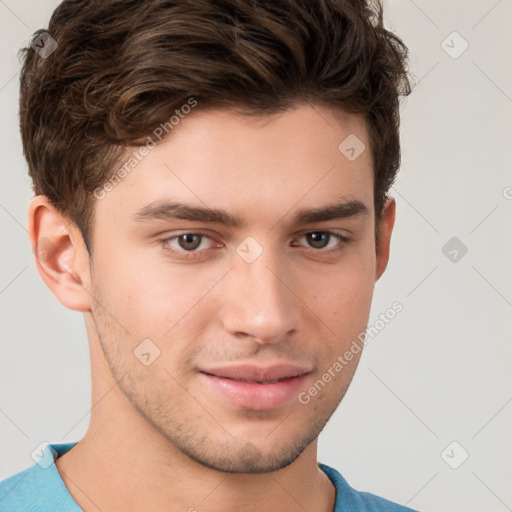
(211, 184)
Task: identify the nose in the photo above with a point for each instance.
(258, 301)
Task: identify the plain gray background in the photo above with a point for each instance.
(439, 373)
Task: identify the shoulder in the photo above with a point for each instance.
(20, 491)
(351, 500)
(38, 488)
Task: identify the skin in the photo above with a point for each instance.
(161, 428)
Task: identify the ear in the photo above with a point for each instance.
(61, 256)
(385, 227)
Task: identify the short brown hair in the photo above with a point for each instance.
(122, 67)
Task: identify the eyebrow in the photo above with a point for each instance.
(169, 210)
(331, 212)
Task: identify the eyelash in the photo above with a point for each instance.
(336, 249)
(196, 253)
(183, 253)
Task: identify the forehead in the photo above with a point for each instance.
(255, 166)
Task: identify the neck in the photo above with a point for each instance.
(123, 464)
(110, 469)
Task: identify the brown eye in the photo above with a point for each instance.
(318, 239)
(195, 246)
(189, 241)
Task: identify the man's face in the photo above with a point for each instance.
(245, 314)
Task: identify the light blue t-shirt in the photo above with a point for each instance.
(40, 488)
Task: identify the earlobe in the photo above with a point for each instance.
(60, 254)
(385, 228)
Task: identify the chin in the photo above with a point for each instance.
(249, 458)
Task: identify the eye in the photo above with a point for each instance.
(318, 239)
(188, 243)
(323, 239)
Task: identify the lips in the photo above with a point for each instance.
(254, 387)
(261, 375)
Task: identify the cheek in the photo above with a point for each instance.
(158, 297)
(343, 293)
